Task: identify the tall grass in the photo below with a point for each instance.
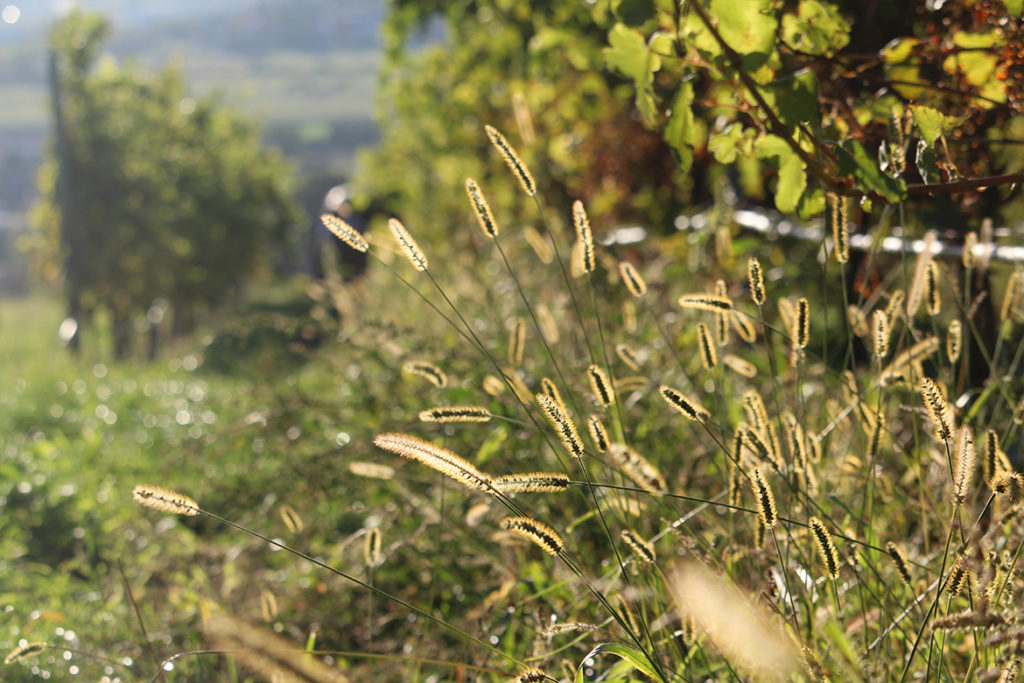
(691, 474)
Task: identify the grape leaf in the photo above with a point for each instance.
(792, 181)
(628, 54)
(747, 26)
(931, 122)
(854, 160)
(679, 129)
(816, 29)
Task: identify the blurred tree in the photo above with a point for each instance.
(148, 192)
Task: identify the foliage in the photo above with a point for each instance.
(148, 193)
(842, 94)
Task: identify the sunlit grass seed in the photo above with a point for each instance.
(598, 433)
(953, 340)
(508, 153)
(601, 386)
(530, 529)
(739, 366)
(858, 322)
(967, 255)
(643, 550)
(268, 606)
(880, 334)
(371, 470)
(802, 324)
(24, 651)
(533, 482)
(933, 300)
(634, 283)
(826, 548)
(547, 324)
(493, 385)
(566, 430)
(291, 518)
(440, 459)
(482, 209)
(345, 232)
(541, 244)
(427, 371)
(688, 407)
(755, 277)
(409, 246)
(902, 568)
(938, 408)
(517, 342)
(1011, 297)
(706, 302)
(958, 577)
(708, 356)
(840, 228)
(744, 327)
(165, 500)
(964, 463)
(372, 554)
(628, 356)
(637, 467)
(456, 414)
(586, 260)
(530, 675)
(765, 499)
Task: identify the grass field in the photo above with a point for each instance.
(476, 465)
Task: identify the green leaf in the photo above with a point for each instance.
(729, 143)
(811, 204)
(854, 160)
(747, 26)
(1014, 7)
(927, 162)
(634, 12)
(816, 29)
(898, 50)
(635, 657)
(773, 149)
(931, 122)
(796, 99)
(792, 181)
(679, 129)
(628, 54)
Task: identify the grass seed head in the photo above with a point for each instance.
(165, 500)
(409, 246)
(456, 414)
(513, 160)
(685, 405)
(601, 386)
(344, 232)
(24, 651)
(643, 550)
(765, 500)
(555, 412)
(598, 433)
(585, 261)
(541, 534)
(755, 275)
(826, 548)
(482, 209)
(634, 283)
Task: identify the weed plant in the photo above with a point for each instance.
(576, 461)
